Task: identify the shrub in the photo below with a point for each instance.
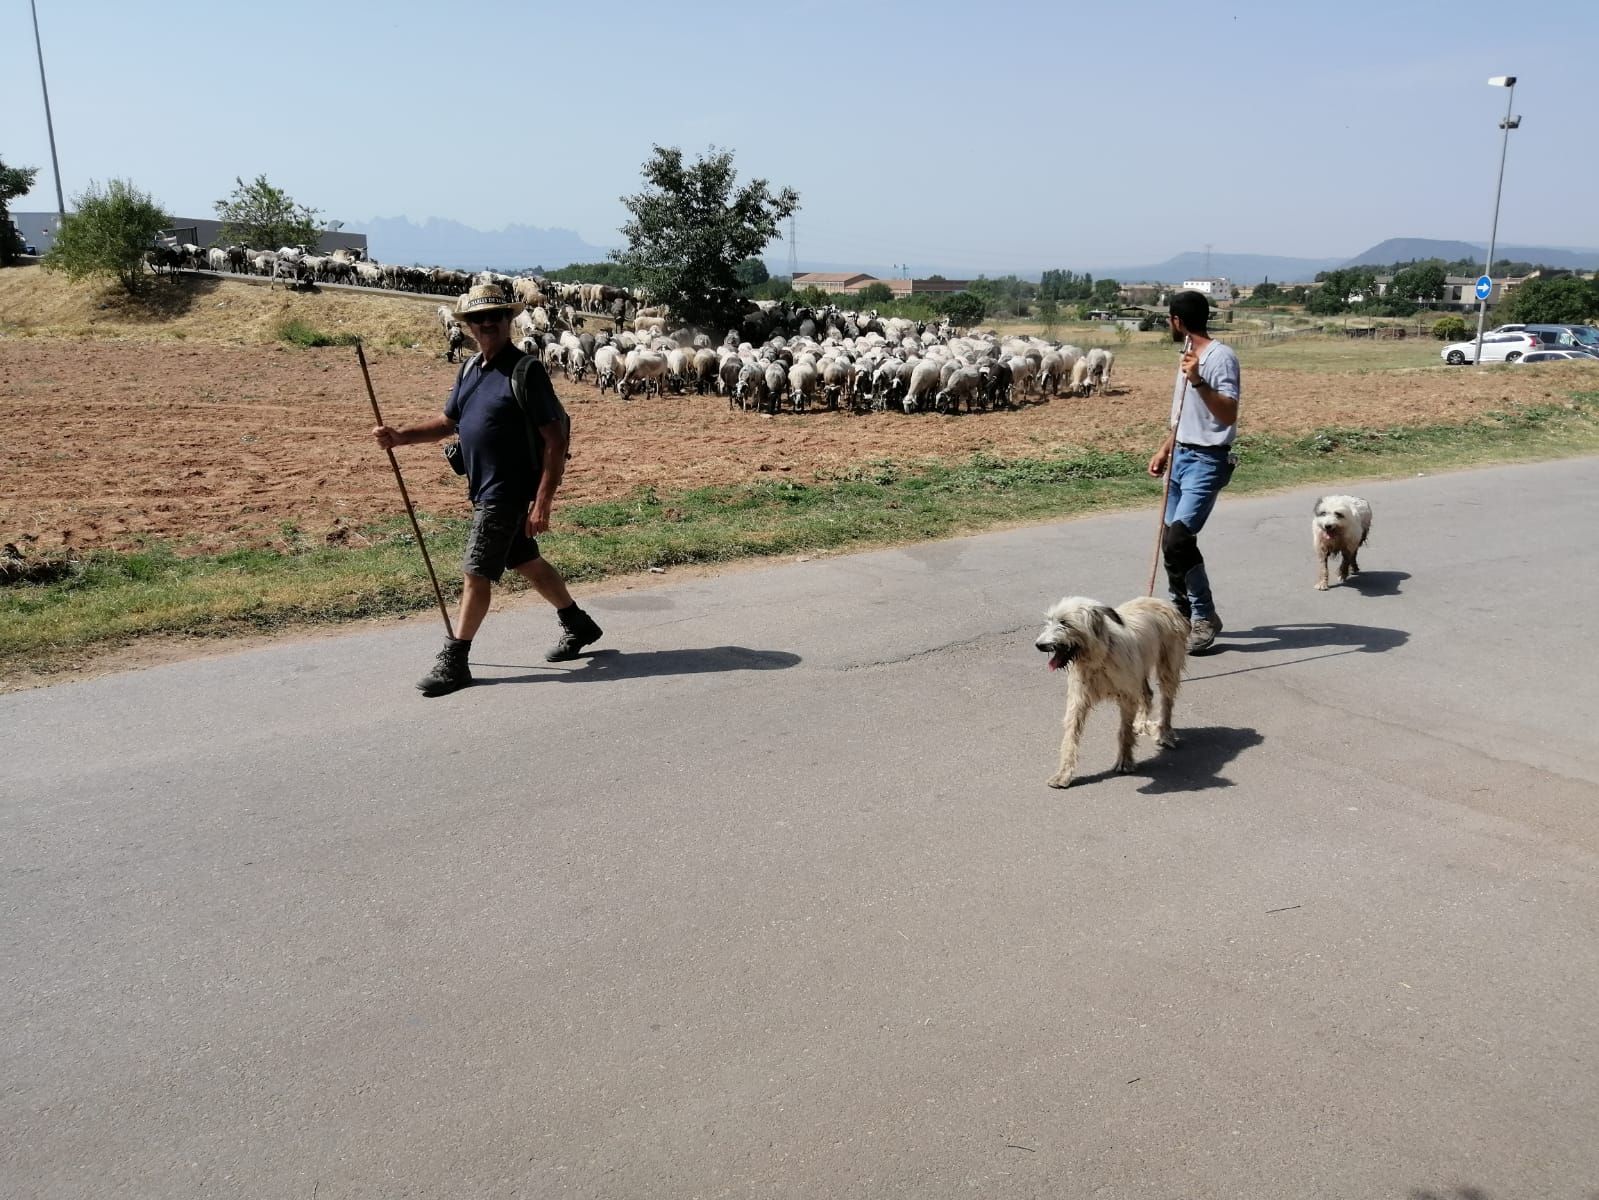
(298, 333)
(108, 234)
(1450, 329)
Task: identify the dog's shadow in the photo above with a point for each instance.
(1376, 583)
(602, 666)
(1194, 766)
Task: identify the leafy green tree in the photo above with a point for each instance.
(259, 215)
(1450, 329)
(751, 273)
(1105, 292)
(691, 228)
(600, 272)
(108, 235)
(1265, 290)
(14, 182)
(875, 293)
(963, 308)
(1420, 283)
(812, 296)
(1563, 300)
(1326, 300)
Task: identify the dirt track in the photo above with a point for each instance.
(216, 447)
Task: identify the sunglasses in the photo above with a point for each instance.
(488, 318)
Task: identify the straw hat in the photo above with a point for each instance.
(485, 298)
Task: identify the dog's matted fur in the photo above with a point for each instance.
(1109, 654)
(1340, 525)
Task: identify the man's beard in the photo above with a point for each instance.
(1177, 335)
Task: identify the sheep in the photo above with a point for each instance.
(679, 368)
(646, 367)
(727, 374)
(836, 377)
(922, 385)
(1080, 382)
(802, 379)
(1099, 362)
(705, 370)
(776, 383)
(607, 362)
(751, 385)
(577, 363)
(965, 384)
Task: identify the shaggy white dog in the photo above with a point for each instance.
(1109, 654)
(1340, 526)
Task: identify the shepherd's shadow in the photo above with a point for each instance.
(1332, 638)
(601, 666)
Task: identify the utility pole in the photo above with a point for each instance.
(793, 250)
(55, 165)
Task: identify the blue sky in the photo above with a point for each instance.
(1014, 135)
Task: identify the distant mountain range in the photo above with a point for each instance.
(436, 240)
(443, 243)
(1397, 250)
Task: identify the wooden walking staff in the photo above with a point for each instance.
(406, 496)
(1165, 492)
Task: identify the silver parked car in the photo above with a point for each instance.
(1539, 356)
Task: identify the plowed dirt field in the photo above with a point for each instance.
(210, 447)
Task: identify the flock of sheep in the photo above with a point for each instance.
(820, 358)
(781, 352)
(295, 266)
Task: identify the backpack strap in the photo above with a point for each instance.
(519, 374)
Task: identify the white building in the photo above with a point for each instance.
(1220, 288)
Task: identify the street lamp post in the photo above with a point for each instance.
(1509, 123)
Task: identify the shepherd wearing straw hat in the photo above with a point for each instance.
(511, 485)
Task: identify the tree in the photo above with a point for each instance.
(875, 293)
(1420, 283)
(260, 215)
(1048, 316)
(751, 273)
(691, 228)
(1325, 301)
(963, 308)
(108, 234)
(1565, 300)
(1450, 329)
(1105, 292)
(14, 182)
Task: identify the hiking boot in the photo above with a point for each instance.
(450, 672)
(1202, 634)
(578, 630)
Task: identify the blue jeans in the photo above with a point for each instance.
(1197, 478)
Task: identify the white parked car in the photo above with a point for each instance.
(1501, 347)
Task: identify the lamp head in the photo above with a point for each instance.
(1502, 81)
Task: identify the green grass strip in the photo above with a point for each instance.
(106, 598)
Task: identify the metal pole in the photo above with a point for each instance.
(1493, 236)
(55, 165)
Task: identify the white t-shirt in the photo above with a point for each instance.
(1218, 367)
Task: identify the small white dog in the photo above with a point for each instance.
(1340, 526)
(1110, 654)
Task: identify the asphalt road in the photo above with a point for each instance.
(769, 897)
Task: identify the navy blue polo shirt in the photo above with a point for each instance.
(494, 436)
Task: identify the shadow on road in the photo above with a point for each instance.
(1336, 639)
(603, 665)
(1377, 583)
(1194, 766)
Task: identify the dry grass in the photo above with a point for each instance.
(34, 303)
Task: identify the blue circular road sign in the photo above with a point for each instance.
(1485, 287)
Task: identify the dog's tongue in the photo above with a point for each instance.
(1053, 665)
